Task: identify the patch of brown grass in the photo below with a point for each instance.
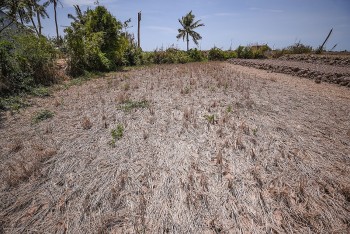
(86, 123)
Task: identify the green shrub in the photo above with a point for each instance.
(133, 56)
(260, 51)
(239, 51)
(25, 62)
(147, 58)
(42, 115)
(195, 55)
(13, 103)
(230, 54)
(37, 55)
(95, 43)
(129, 105)
(168, 56)
(297, 48)
(117, 134)
(252, 52)
(216, 54)
(41, 91)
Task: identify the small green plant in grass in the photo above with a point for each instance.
(255, 131)
(186, 90)
(126, 86)
(117, 134)
(210, 118)
(42, 115)
(229, 109)
(41, 92)
(128, 105)
(13, 103)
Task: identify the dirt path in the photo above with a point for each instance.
(205, 148)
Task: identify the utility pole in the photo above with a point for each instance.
(138, 29)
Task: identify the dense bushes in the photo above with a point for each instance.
(252, 52)
(95, 43)
(170, 55)
(297, 48)
(196, 55)
(216, 54)
(25, 61)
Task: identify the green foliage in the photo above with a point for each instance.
(252, 52)
(133, 56)
(216, 54)
(297, 48)
(230, 54)
(42, 115)
(117, 134)
(188, 25)
(210, 119)
(196, 55)
(255, 131)
(95, 42)
(41, 91)
(129, 105)
(170, 55)
(13, 103)
(25, 62)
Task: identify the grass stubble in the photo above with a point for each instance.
(216, 148)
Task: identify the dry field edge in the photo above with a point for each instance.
(331, 70)
(195, 148)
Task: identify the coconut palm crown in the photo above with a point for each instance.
(188, 25)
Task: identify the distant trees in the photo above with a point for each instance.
(188, 25)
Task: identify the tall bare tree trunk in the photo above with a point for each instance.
(20, 16)
(55, 9)
(39, 22)
(187, 40)
(34, 26)
(138, 29)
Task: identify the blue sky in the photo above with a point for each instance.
(278, 23)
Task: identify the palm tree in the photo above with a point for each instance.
(40, 13)
(55, 3)
(34, 9)
(188, 24)
(31, 14)
(79, 15)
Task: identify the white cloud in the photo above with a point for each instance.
(162, 29)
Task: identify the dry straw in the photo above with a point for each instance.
(274, 160)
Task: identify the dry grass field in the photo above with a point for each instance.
(195, 148)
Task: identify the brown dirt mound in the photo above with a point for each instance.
(316, 71)
(196, 148)
(341, 60)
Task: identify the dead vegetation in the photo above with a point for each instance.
(197, 148)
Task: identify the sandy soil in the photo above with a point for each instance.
(205, 148)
